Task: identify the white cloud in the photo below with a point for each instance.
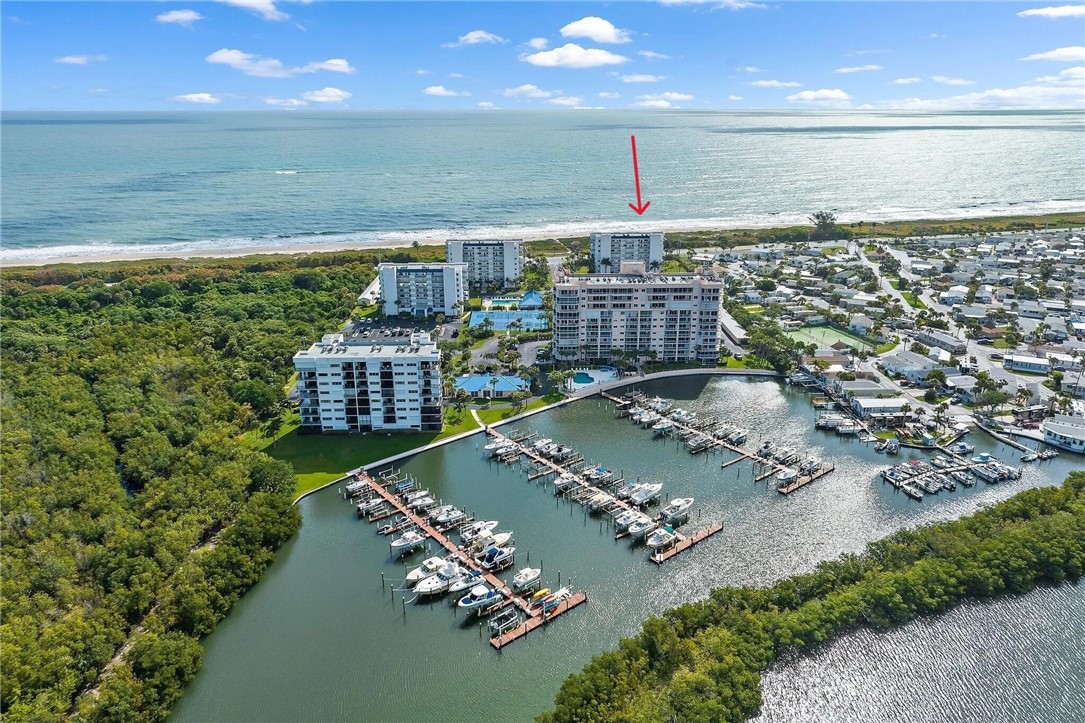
(858, 69)
(936, 36)
(1053, 13)
(98, 91)
(652, 55)
(527, 90)
(456, 75)
(197, 98)
(1072, 54)
(907, 81)
(872, 51)
(421, 71)
(597, 29)
(537, 43)
(442, 92)
(184, 18)
(775, 84)
(947, 80)
(669, 95)
(476, 37)
(487, 105)
(264, 8)
(261, 67)
(734, 97)
(642, 78)
(567, 100)
(751, 69)
(572, 55)
(1070, 75)
(326, 95)
(286, 102)
(16, 20)
(81, 59)
(1035, 97)
(819, 96)
(608, 94)
(654, 104)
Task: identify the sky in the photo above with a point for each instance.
(729, 54)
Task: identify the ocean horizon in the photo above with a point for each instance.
(101, 184)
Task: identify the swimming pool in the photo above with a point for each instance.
(582, 378)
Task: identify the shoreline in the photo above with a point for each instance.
(16, 258)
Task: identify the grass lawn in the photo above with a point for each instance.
(885, 435)
(1002, 344)
(545, 247)
(499, 414)
(914, 301)
(732, 363)
(832, 250)
(886, 347)
(318, 459)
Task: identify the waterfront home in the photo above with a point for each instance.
(860, 388)
(1065, 432)
(872, 407)
(904, 361)
(490, 386)
(964, 386)
(1023, 363)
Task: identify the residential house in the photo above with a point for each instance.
(1024, 363)
(963, 385)
(1065, 432)
(941, 340)
(491, 386)
(954, 295)
(861, 325)
(873, 407)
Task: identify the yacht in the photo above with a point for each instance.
(893, 447)
(477, 529)
(356, 486)
(642, 526)
(663, 427)
(507, 619)
(390, 527)
(627, 490)
(525, 578)
(429, 566)
(600, 501)
(466, 581)
(539, 444)
(766, 449)
(439, 510)
(787, 475)
(677, 509)
(564, 482)
(962, 448)
(493, 447)
(940, 462)
(1030, 457)
(625, 518)
(880, 446)
(483, 543)
(962, 477)
(646, 493)
(497, 556)
(436, 584)
(414, 495)
(738, 436)
(450, 517)
(421, 503)
(599, 474)
(480, 596)
(662, 537)
(810, 466)
(912, 492)
(364, 508)
(408, 541)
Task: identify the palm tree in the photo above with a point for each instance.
(1022, 396)
(654, 266)
(605, 263)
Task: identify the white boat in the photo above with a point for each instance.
(497, 556)
(787, 475)
(505, 620)
(625, 492)
(600, 501)
(783, 453)
(663, 537)
(356, 486)
(766, 449)
(494, 539)
(642, 526)
(408, 541)
(421, 503)
(663, 427)
(563, 482)
(480, 596)
(625, 518)
(440, 510)
(811, 465)
(466, 581)
(429, 566)
(677, 509)
(539, 444)
(738, 436)
(492, 447)
(962, 448)
(646, 493)
(525, 578)
(450, 517)
(477, 529)
(364, 508)
(413, 495)
(435, 584)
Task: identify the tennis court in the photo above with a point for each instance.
(825, 337)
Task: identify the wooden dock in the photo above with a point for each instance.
(806, 479)
(533, 623)
(661, 556)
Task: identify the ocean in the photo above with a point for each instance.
(90, 184)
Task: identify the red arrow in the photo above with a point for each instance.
(640, 208)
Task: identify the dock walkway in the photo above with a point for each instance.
(533, 623)
(661, 556)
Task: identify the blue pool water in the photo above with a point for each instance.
(582, 378)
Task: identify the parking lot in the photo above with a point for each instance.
(391, 330)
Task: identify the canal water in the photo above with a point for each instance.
(320, 638)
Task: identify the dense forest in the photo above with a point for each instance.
(133, 515)
(702, 661)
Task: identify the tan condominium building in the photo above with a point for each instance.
(677, 316)
(618, 247)
(490, 263)
(423, 289)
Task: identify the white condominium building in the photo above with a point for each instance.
(423, 289)
(677, 316)
(618, 247)
(489, 262)
(364, 386)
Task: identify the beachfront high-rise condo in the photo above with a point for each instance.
(677, 316)
(618, 247)
(348, 386)
(490, 263)
(423, 289)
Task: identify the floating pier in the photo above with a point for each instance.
(806, 479)
(533, 623)
(661, 556)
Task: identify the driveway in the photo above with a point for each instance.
(488, 347)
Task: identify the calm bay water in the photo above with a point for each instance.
(318, 638)
(83, 184)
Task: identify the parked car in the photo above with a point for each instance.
(996, 357)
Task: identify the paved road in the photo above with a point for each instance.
(885, 285)
(489, 347)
